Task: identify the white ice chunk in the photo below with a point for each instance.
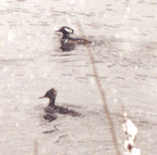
(129, 127)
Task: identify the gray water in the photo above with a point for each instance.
(124, 36)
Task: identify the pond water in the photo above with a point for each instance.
(124, 36)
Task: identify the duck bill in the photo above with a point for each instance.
(41, 97)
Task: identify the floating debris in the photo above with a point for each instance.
(130, 131)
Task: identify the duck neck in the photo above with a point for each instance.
(52, 102)
(66, 35)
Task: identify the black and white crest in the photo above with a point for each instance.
(68, 29)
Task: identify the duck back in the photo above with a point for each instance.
(80, 41)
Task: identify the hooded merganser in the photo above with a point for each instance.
(52, 109)
(68, 43)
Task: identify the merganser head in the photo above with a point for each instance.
(66, 31)
(51, 94)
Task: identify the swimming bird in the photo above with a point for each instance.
(68, 42)
(51, 110)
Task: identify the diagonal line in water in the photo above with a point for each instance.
(102, 94)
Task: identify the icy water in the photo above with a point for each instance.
(124, 35)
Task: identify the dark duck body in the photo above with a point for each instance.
(67, 42)
(52, 109)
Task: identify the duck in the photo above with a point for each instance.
(68, 43)
(52, 109)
